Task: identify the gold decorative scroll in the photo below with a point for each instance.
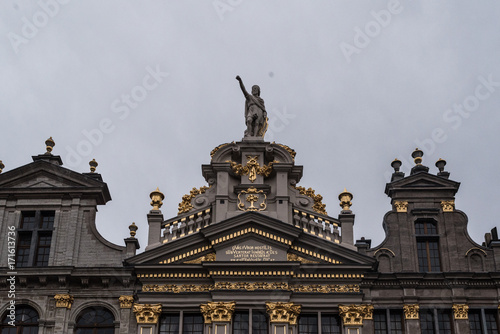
(411, 311)
(295, 257)
(291, 151)
(252, 168)
(318, 205)
(64, 300)
(448, 206)
(283, 312)
(355, 314)
(217, 311)
(401, 206)
(252, 196)
(185, 205)
(461, 311)
(126, 301)
(212, 153)
(147, 313)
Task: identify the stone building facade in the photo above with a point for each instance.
(251, 252)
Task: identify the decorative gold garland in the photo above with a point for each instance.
(318, 205)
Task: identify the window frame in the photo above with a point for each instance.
(427, 245)
(20, 326)
(34, 230)
(388, 321)
(436, 322)
(483, 322)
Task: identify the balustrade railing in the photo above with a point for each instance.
(181, 226)
(316, 224)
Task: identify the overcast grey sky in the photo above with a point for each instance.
(350, 85)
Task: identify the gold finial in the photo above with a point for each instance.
(93, 164)
(156, 199)
(345, 198)
(440, 164)
(2, 166)
(132, 227)
(417, 156)
(50, 143)
(396, 164)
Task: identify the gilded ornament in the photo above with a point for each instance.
(252, 196)
(345, 198)
(355, 314)
(295, 257)
(147, 313)
(156, 199)
(49, 143)
(411, 311)
(2, 166)
(210, 257)
(185, 205)
(93, 165)
(64, 300)
(133, 229)
(217, 311)
(461, 311)
(291, 151)
(318, 205)
(283, 312)
(126, 301)
(252, 168)
(448, 206)
(401, 206)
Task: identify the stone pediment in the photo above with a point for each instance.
(251, 237)
(42, 176)
(422, 182)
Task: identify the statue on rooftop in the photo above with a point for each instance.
(255, 112)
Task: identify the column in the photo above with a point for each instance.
(63, 305)
(147, 316)
(353, 316)
(283, 317)
(461, 316)
(126, 303)
(217, 316)
(412, 319)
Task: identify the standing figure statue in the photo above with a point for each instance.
(255, 112)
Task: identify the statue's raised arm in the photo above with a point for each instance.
(242, 86)
(255, 111)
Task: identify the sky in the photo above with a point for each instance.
(148, 89)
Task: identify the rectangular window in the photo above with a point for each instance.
(428, 255)
(259, 322)
(388, 321)
(34, 238)
(330, 324)
(427, 322)
(483, 321)
(169, 324)
(240, 323)
(444, 322)
(308, 324)
(192, 324)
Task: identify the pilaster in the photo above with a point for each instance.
(217, 316)
(147, 317)
(283, 317)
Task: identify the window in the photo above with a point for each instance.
(308, 324)
(95, 320)
(34, 238)
(169, 324)
(259, 322)
(240, 323)
(427, 246)
(26, 321)
(483, 321)
(330, 324)
(434, 321)
(192, 324)
(388, 322)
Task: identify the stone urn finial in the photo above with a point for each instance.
(93, 164)
(345, 198)
(49, 143)
(156, 199)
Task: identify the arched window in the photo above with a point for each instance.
(25, 321)
(95, 320)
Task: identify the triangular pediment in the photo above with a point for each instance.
(251, 237)
(42, 177)
(421, 182)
